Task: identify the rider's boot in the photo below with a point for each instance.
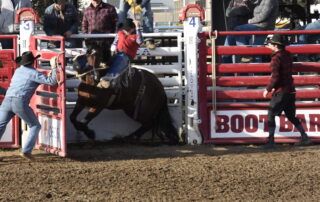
(103, 84)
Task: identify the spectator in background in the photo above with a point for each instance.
(264, 16)
(283, 90)
(100, 18)
(8, 9)
(309, 39)
(61, 18)
(137, 7)
(237, 13)
(141, 11)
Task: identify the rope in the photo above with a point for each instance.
(92, 70)
(214, 73)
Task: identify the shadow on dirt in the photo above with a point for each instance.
(115, 151)
(110, 151)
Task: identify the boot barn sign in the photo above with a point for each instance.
(248, 123)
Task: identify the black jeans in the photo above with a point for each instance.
(283, 101)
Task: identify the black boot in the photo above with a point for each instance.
(270, 144)
(305, 140)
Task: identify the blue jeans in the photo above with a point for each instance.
(309, 38)
(230, 41)
(119, 64)
(243, 40)
(147, 23)
(18, 106)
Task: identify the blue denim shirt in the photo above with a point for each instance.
(25, 81)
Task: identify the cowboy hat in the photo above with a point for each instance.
(277, 39)
(27, 58)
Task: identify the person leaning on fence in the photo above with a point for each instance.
(283, 90)
(264, 16)
(8, 9)
(126, 43)
(16, 102)
(61, 18)
(100, 18)
(237, 13)
(138, 9)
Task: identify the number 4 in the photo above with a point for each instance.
(193, 22)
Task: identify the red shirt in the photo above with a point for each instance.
(127, 44)
(281, 72)
(102, 19)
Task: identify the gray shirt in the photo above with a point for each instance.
(265, 14)
(8, 13)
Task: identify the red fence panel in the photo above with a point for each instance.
(49, 101)
(241, 109)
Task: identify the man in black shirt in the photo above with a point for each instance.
(61, 18)
(283, 90)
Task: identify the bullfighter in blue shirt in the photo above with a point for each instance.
(16, 102)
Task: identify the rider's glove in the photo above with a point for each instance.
(113, 48)
(53, 62)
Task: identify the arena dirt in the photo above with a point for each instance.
(122, 172)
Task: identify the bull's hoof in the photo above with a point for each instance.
(132, 139)
(91, 134)
(88, 145)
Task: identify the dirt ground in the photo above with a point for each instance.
(122, 172)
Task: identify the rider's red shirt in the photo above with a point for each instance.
(127, 44)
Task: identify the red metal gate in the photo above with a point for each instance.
(10, 139)
(241, 109)
(49, 102)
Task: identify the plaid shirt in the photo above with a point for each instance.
(102, 19)
(281, 72)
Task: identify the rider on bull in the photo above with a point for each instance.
(125, 45)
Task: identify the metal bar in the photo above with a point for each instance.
(262, 80)
(257, 94)
(261, 50)
(262, 67)
(263, 105)
(287, 32)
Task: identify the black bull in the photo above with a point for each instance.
(137, 92)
